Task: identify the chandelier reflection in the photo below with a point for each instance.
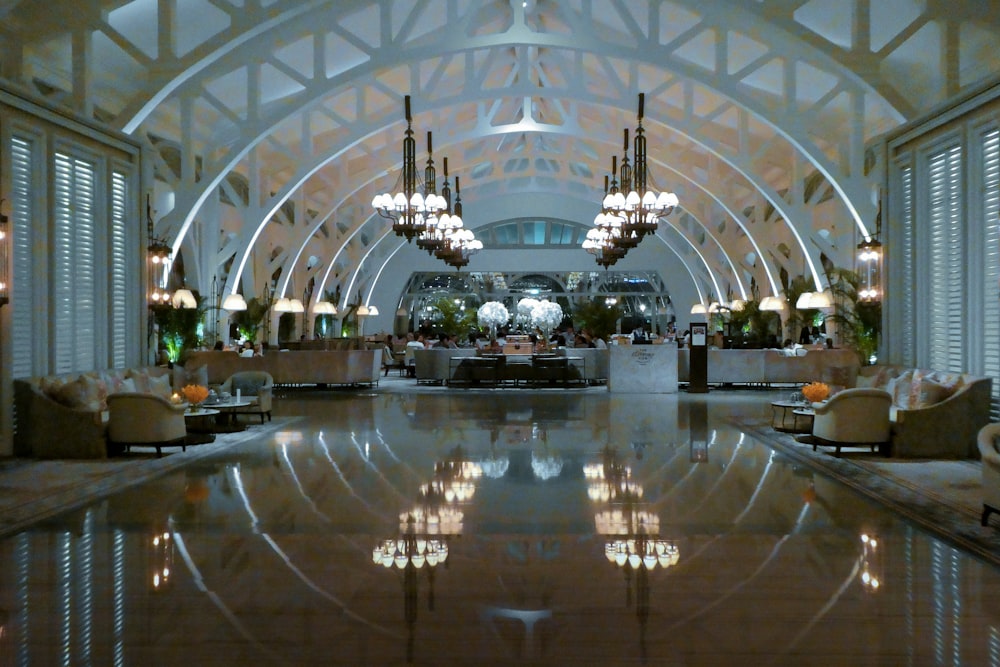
(424, 531)
(632, 532)
(161, 558)
(871, 563)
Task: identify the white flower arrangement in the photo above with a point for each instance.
(524, 308)
(492, 314)
(547, 315)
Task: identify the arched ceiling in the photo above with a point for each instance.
(273, 123)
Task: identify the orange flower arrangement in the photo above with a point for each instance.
(816, 392)
(195, 394)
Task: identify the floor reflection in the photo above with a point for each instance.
(497, 528)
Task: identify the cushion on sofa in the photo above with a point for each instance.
(865, 381)
(159, 385)
(248, 385)
(185, 376)
(906, 389)
(83, 392)
(931, 392)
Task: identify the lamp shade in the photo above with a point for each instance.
(372, 311)
(362, 311)
(282, 305)
(234, 301)
(295, 306)
(183, 298)
(324, 308)
(804, 301)
(772, 303)
(822, 299)
(698, 309)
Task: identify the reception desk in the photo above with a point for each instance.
(647, 369)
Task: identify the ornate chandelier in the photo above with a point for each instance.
(458, 243)
(630, 209)
(409, 209)
(430, 238)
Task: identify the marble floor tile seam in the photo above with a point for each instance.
(955, 522)
(23, 505)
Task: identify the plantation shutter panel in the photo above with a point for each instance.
(117, 264)
(946, 261)
(990, 187)
(906, 255)
(23, 342)
(73, 287)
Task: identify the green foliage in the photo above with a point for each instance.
(799, 318)
(178, 329)
(453, 320)
(286, 326)
(858, 324)
(756, 325)
(597, 317)
(248, 321)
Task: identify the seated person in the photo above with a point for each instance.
(412, 344)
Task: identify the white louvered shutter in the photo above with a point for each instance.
(73, 287)
(117, 269)
(945, 279)
(23, 341)
(990, 187)
(907, 323)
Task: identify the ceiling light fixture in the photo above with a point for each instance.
(408, 208)
(629, 210)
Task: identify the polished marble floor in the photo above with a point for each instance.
(434, 527)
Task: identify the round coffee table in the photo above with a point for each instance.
(226, 419)
(200, 426)
(785, 417)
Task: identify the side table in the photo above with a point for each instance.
(200, 426)
(785, 417)
(806, 416)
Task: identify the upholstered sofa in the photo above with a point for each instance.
(853, 417)
(988, 440)
(934, 414)
(434, 365)
(66, 416)
(595, 362)
(305, 367)
(771, 366)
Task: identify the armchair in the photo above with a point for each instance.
(988, 443)
(255, 386)
(853, 417)
(144, 419)
(389, 360)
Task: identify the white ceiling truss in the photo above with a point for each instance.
(273, 123)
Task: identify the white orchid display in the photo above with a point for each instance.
(493, 314)
(546, 315)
